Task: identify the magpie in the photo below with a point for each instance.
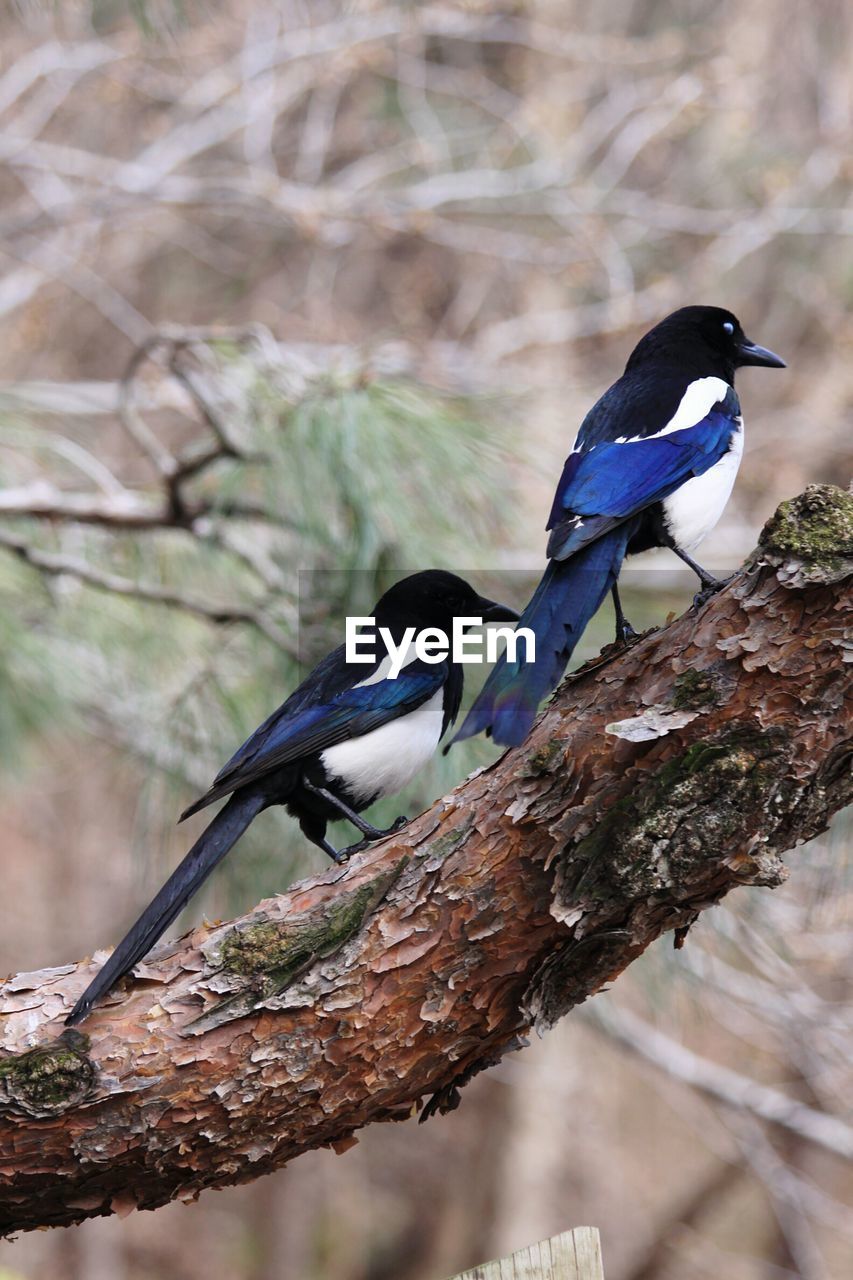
(351, 733)
(653, 465)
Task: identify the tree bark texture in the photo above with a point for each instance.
(658, 779)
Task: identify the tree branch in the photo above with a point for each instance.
(657, 780)
(734, 1090)
(58, 566)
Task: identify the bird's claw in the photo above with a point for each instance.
(345, 854)
(708, 590)
(625, 636)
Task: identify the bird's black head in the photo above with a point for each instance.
(434, 598)
(708, 340)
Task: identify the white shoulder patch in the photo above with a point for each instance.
(696, 403)
(381, 672)
(378, 675)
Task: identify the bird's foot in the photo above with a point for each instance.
(625, 633)
(378, 834)
(345, 854)
(625, 636)
(709, 589)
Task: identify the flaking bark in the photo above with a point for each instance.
(656, 781)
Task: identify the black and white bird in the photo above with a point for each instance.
(351, 734)
(653, 465)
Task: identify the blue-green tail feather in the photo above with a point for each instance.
(570, 592)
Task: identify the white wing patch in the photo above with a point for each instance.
(696, 403)
(386, 759)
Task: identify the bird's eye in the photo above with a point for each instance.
(728, 326)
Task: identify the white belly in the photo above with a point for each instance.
(693, 510)
(386, 759)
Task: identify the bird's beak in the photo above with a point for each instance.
(750, 353)
(490, 611)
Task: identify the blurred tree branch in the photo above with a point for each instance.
(66, 566)
(659, 779)
(720, 1083)
(185, 375)
(470, 161)
(122, 509)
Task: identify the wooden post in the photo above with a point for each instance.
(573, 1255)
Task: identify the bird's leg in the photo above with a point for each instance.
(625, 633)
(314, 829)
(710, 584)
(366, 828)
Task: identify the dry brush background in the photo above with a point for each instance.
(371, 202)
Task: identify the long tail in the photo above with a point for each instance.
(210, 848)
(567, 597)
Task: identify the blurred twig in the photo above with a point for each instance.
(66, 566)
(724, 1085)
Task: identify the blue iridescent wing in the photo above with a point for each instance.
(331, 706)
(614, 480)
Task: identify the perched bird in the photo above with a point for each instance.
(653, 466)
(349, 735)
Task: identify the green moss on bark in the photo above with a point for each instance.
(701, 804)
(541, 761)
(48, 1080)
(816, 527)
(695, 689)
(281, 947)
(271, 954)
(444, 845)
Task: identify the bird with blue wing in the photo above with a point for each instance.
(351, 734)
(653, 465)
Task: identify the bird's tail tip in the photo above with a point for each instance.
(81, 1010)
(478, 720)
(195, 807)
(505, 726)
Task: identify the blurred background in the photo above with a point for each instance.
(294, 296)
